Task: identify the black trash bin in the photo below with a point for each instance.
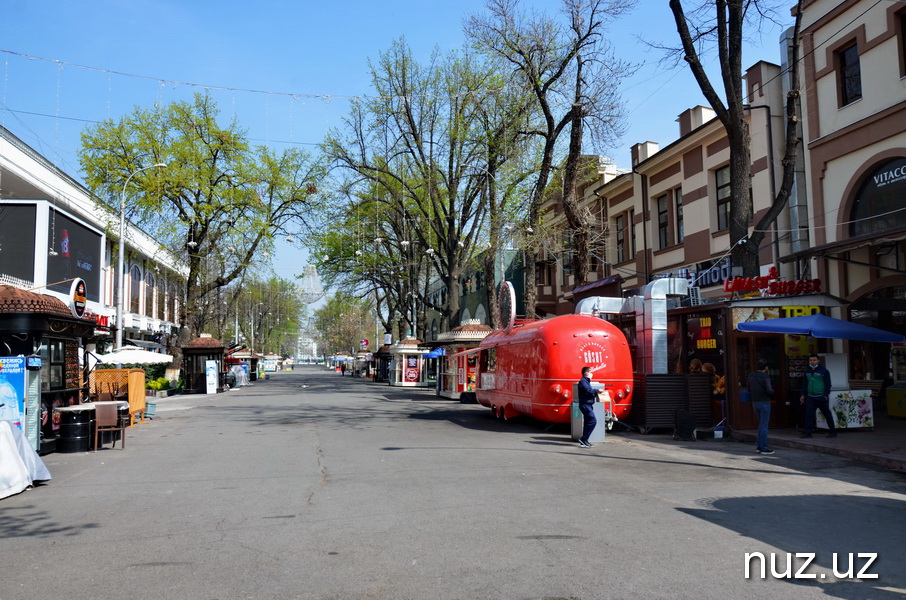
(75, 428)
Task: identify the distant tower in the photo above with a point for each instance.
(310, 289)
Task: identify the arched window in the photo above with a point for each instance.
(149, 295)
(171, 304)
(878, 204)
(135, 288)
(161, 298)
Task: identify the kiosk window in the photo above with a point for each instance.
(53, 360)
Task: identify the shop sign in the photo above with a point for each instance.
(705, 350)
(410, 374)
(101, 322)
(799, 311)
(894, 174)
(771, 285)
(714, 274)
(704, 338)
(78, 297)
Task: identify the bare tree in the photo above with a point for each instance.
(573, 76)
(699, 30)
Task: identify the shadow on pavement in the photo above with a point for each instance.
(827, 526)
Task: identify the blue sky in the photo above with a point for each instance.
(284, 69)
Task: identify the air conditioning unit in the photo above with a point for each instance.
(695, 296)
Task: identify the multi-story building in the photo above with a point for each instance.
(853, 75)
(52, 231)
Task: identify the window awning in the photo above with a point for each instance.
(874, 239)
(600, 283)
(437, 352)
(468, 352)
(825, 300)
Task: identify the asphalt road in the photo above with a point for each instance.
(310, 485)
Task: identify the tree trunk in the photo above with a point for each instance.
(741, 193)
(571, 209)
(453, 293)
(531, 286)
(490, 287)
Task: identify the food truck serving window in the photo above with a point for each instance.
(489, 360)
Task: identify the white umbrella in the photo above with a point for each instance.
(129, 355)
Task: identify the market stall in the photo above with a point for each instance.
(205, 367)
(457, 372)
(44, 327)
(407, 366)
(852, 408)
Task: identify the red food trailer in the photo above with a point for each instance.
(530, 366)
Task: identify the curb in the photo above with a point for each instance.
(894, 464)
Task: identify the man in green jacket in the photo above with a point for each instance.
(816, 387)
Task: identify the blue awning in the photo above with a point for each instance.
(821, 326)
(436, 353)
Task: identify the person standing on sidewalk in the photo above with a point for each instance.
(586, 398)
(816, 387)
(761, 392)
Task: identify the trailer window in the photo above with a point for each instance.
(489, 360)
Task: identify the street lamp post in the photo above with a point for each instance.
(121, 288)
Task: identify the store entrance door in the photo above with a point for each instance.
(751, 348)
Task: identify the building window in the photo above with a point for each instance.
(161, 295)
(878, 204)
(568, 252)
(722, 179)
(631, 226)
(149, 295)
(901, 41)
(678, 201)
(620, 226)
(663, 224)
(545, 274)
(135, 289)
(850, 74)
(171, 304)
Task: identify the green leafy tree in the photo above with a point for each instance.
(417, 155)
(342, 323)
(219, 202)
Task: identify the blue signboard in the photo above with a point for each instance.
(12, 389)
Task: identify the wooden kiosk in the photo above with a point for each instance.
(456, 373)
(195, 358)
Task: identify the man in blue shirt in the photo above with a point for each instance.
(587, 396)
(816, 387)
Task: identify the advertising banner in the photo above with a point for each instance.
(17, 238)
(210, 371)
(706, 350)
(78, 254)
(12, 390)
(411, 373)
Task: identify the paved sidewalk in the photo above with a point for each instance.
(884, 446)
